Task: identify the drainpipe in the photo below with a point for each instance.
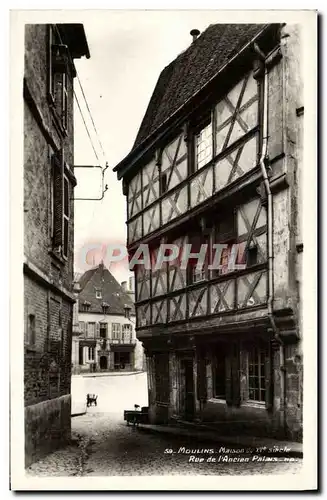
(263, 158)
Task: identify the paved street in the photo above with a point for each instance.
(107, 446)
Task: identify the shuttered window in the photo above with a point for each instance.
(64, 112)
(57, 77)
(57, 204)
(60, 206)
(66, 216)
(53, 39)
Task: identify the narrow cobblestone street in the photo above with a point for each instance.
(103, 445)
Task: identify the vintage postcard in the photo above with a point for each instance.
(164, 212)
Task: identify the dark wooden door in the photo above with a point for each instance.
(189, 388)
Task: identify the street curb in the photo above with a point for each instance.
(94, 375)
(180, 431)
(78, 414)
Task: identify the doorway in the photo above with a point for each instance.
(188, 376)
(122, 360)
(103, 363)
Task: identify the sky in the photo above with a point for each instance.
(128, 51)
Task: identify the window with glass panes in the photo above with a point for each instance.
(115, 330)
(127, 332)
(203, 143)
(256, 367)
(91, 330)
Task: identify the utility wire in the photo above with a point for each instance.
(87, 130)
(95, 129)
(78, 104)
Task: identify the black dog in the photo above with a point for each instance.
(90, 399)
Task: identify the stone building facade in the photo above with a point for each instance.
(218, 161)
(49, 183)
(104, 336)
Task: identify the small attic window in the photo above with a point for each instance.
(105, 307)
(86, 306)
(127, 311)
(98, 294)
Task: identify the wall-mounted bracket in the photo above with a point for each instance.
(104, 187)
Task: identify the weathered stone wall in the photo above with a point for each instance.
(285, 148)
(47, 361)
(47, 426)
(37, 160)
(36, 73)
(47, 365)
(285, 152)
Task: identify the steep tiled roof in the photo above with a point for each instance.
(193, 69)
(100, 279)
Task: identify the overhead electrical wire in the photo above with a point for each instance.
(95, 129)
(86, 103)
(87, 130)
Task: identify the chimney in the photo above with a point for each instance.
(124, 285)
(194, 33)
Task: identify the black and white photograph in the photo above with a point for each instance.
(163, 221)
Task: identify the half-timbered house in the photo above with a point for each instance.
(217, 161)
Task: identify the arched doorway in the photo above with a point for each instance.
(103, 363)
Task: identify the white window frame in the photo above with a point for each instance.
(127, 333)
(198, 275)
(258, 354)
(88, 332)
(98, 294)
(116, 331)
(204, 144)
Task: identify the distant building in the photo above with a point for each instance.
(104, 336)
(49, 183)
(218, 160)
